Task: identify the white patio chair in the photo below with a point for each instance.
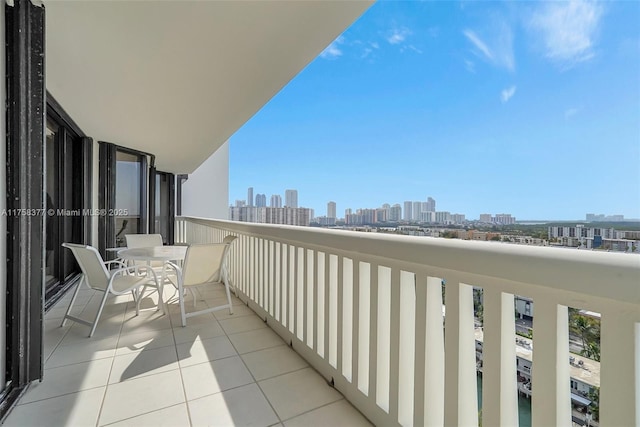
(97, 276)
(145, 241)
(203, 264)
(228, 240)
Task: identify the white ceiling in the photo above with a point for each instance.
(178, 78)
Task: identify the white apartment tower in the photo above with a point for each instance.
(407, 211)
(276, 201)
(331, 210)
(291, 198)
(417, 208)
(250, 197)
(431, 205)
(261, 200)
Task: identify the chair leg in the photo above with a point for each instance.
(193, 296)
(181, 299)
(137, 299)
(226, 288)
(73, 300)
(95, 322)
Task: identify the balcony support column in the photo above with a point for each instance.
(499, 381)
(620, 368)
(551, 389)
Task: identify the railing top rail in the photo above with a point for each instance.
(603, 274)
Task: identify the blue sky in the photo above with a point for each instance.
(525, 108)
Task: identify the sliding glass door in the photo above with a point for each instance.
(67, 182)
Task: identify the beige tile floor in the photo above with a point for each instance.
(220, 370)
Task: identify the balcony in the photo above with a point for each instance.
(363, 314)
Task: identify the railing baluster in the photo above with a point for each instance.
(328, 260)
(620, 367)
(394, 344)
(499, 377)
(373, 336)
(314, 301)
(460, 368)
(550, 386)
(355, 323)
(339, 315)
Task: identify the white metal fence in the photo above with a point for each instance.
(365, 309)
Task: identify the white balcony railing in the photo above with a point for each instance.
(365, 309)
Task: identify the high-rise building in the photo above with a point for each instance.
(485, 218)
(431, 204)
(291, 198)
(250, 197)
(331, 210)
(276, 201)
(408, 211)
(261, 200)
(395, 213)
(415, 213)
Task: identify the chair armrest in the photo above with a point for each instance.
(135, 269)
(117, 262)
(175, 267)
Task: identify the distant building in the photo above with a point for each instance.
(504, 219)
(265, 215)
(291, 198)
(408, 210)
(250, 196)
(485, 218)
(443, 217)
(261, 200)
(457, 218)
(331, 210)
(415, 213)
(604, 218)
(395, 213)
(431, 205)
(276, 201)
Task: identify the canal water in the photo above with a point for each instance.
(524, 406)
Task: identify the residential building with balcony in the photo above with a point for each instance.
(110, 104)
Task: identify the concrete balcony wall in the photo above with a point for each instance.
(366, 311)
(206, 192)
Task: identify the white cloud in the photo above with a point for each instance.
(499, 49)
(333, 51)
(482, 46)
(410, 47)
(366, 53)
(470, 66)
(374, 45)
(398, 35)
(568, 30)
(571, 112)
(506, 94)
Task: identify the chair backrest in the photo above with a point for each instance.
(229, 238)
(203, 263)
(143, 240)
(91, 264)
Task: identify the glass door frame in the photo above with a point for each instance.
(70, 138)
(107, 193)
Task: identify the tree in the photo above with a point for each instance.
(583, 327)
(592, 351)
(594, 396)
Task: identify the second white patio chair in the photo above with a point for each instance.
(203, 264)
(97, 276)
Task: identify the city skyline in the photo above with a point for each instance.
(487, 107)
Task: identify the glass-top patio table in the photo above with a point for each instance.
(155, 253)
